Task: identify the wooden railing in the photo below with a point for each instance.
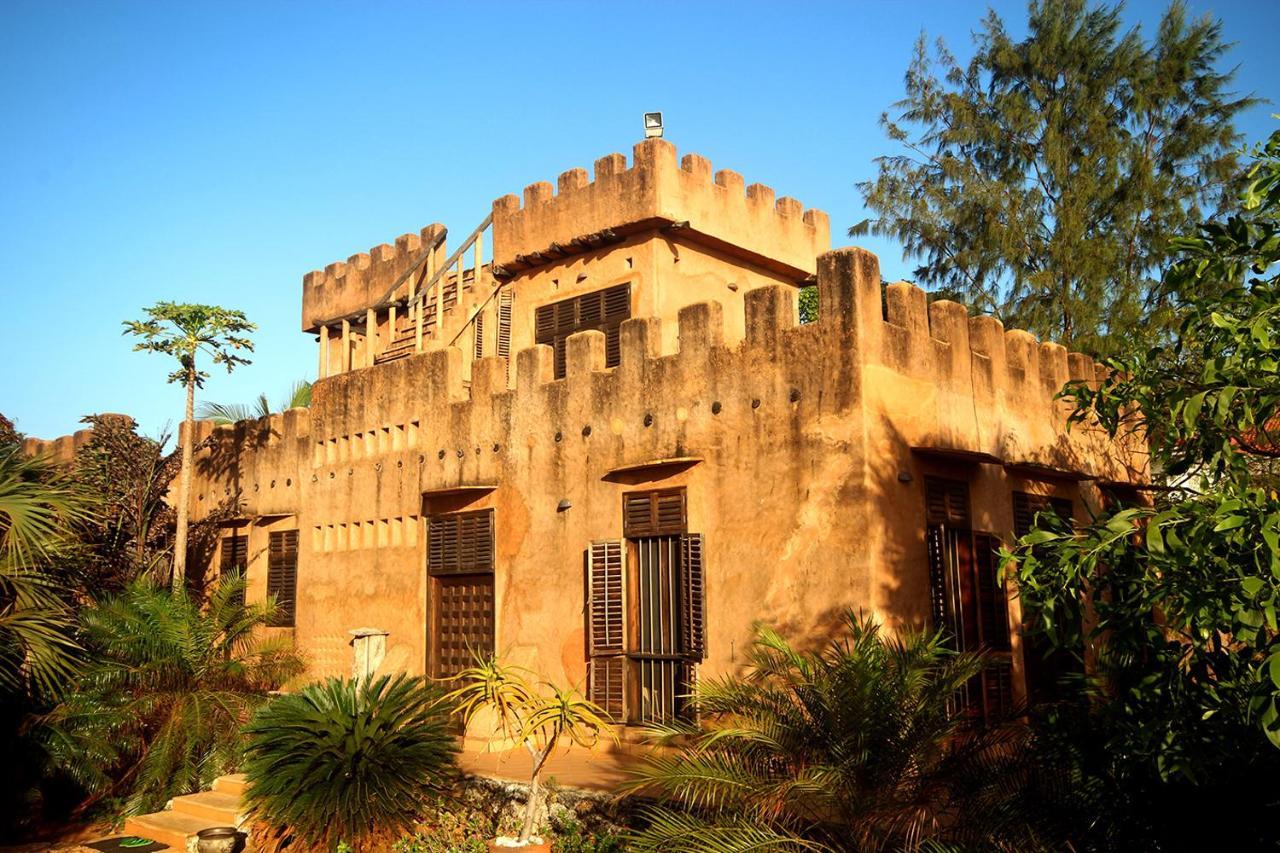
(421, 291)
(433, 289)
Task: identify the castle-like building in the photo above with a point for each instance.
(611, 450)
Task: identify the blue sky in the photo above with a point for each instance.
(216, 152)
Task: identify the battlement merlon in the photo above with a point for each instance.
(346, 288)
(717, 210)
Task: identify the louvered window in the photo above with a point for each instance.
(460, 562)
(645, 606)
(1026, 506)
(235, 559)
(460, 543)
(478, 332)
(505, 297)
(967, 596)
(282, 576)
(603, 310)
(653, 513)
(1046, 666)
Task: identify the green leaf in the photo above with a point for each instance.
(1231, 522)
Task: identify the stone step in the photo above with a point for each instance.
(221, 808)
(234, 784)
(170, 828)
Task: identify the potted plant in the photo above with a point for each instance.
(537, 715)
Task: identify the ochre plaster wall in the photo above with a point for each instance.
(795, 440)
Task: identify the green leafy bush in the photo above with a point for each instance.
(166, 687)
(349, 761)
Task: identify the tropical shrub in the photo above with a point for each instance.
(538, 716)
(167, 686)
(1185, 631)
(349, 761)
(855, 746)
(38, 512)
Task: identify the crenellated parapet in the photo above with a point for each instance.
(251, 468)
(657, 190)
(62, 450)
(348, 288)
(933, 376)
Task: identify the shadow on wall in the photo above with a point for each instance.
(218, 457)
(202, 543)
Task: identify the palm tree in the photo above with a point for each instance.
(38, 508)
(159, 708)
(184, 332)
(228, 413)
(856, 746)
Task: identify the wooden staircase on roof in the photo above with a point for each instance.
(177, 826)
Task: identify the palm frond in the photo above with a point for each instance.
(158, 708)
(670, 831)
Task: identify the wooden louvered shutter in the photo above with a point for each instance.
(692, 628)
(654, 513)
(1026, 505)
(606, 626)
(616, 308)
(478, 331)
(235, 560)
(997, 688)
(504, 323)
(937, 577)
(602, 310)
(282, 577)
(993, 604)
(460, 543)
(946, 501)
(460, 561)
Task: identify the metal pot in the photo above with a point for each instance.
(218, 839)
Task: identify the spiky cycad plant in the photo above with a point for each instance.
(856, 746)
(38, 508)
(159, 707)
(349, 760)
(228, 413)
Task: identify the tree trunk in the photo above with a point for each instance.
(184, 492)
(531, 805)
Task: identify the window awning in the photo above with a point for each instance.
(1042, 471)
(472, 491)
(956, 454)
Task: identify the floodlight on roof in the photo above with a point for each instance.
(652, 125)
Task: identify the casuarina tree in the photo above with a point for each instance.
(1041, 180)
(186, 331)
